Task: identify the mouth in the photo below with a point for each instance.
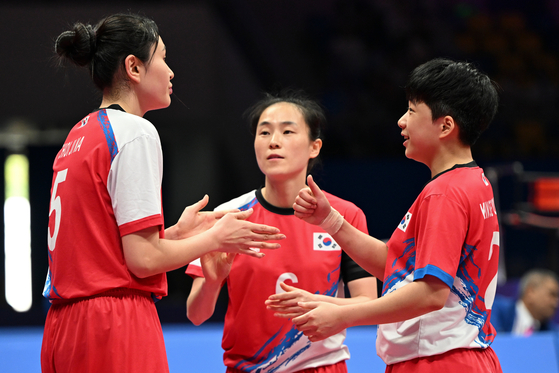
(406, 139)
(274, 156)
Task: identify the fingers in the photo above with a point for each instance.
(252, 252)
(242, 215)
(221, 213)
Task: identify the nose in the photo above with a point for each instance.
(274, 141)
(171, 74)
(402, 120)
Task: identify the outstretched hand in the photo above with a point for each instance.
(286, 304)
(193, 221)
(311, 205)
(320, 320)
(216, 265)
(235, 235)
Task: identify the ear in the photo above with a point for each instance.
(448, 127)
(133, 68)
(315, 148)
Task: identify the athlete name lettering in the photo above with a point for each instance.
(71, 147)
(488, 209)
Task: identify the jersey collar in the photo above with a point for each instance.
(268, 206)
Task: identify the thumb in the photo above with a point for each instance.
(201, 203)
(229, 257)
(286, 287)
(314, 187)
(243, 214)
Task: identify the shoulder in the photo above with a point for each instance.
(463, 182)
(130, 125)
(342, 205)
(243, 202)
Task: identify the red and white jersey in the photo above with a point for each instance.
(254, 339)
(106, 184)
(450, 232)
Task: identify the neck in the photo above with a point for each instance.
(127, 103)
(450, 157)
(282, 193)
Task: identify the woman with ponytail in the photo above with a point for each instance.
(108, 248)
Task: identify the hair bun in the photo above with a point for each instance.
(77, 45)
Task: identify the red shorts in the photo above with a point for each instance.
(118, 331)
(339, 367)
(471, 360)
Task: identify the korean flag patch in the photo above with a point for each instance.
(405, 222)
(324, 242)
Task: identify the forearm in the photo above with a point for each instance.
(341, 301)
(369, 252)
(410, 301)
(147, 255)
(200, 304)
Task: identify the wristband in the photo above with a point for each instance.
(333, 222)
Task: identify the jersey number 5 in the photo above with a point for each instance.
(56, 207)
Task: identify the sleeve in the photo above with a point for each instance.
(194, 269)
(441, 230)
(134, 184)
(349, 269)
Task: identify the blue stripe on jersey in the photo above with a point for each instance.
(401, 274)
(249, 205)
(105, 124)
(434, 271)
(467, 294)
(260, 360)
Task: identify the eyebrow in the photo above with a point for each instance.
(286, 122)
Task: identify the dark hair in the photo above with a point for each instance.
(534, 278)
(313, 114)
(104, 47)
(457, 89)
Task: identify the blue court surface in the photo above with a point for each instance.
(198, 349)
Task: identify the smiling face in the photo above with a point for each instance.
(156, 87)
(282, 144)
(420, 132)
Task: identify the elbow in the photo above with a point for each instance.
(195, 320)
(436, 302)
(142, 269)
(195, 317)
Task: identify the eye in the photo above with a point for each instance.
(285, 132)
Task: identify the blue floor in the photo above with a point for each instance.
(197, 349)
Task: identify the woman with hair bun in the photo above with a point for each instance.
(108, 249)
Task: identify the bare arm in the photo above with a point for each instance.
(146, 254)
(312, 206)
(201, 301)
(412, 300)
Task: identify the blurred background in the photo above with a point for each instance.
(352, 55)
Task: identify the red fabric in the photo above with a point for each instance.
(339, 367)
(475, 360)
(117, 332)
